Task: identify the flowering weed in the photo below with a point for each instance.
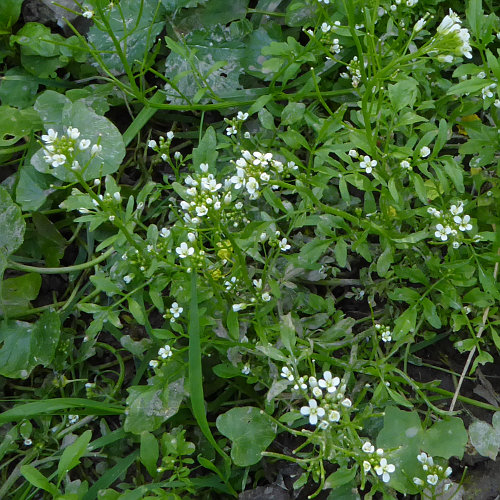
(237, 235)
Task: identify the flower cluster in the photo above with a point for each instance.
(375, 461)
(452, 223)
(354, 72)
(433, 473)
(173, 313)
(326, 398)
(254, 170)
(163, 148)
(385, 332)
(235, 123)
(451, 38)
(365, 162)
(65, 150)
(164, 353)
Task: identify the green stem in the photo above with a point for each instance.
(60, 270)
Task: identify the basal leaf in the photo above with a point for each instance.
(251, 432)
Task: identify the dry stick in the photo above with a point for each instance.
(473, 351)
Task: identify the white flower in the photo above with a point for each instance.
(312, 411)
(242, 116)
(84, 144)
(201, 210)
(231, 130)
(58, 159)
(449, 23)
(95, 149)
(423, 458)
(73, 132)
(313, 382)
(317, 392)
(300, 384)
(184, 250)
(463, 222)
(246, 369)
(486, 92)
(75, 165)
(346, 403)
(238, 307)
(154, 363)
(325, 27)
(457, 209)
(175, 310)
(442, 232)
(386, 336)
(73, 419)
(446, 58)
(432, 479)
(165, 233)
(287, 373)
(418, 481)
(419, 25)
(88, 14)
(165, 352)
(50, 137)
(405, 164)
(448, 472)
(252, 185)
(283, 244)
(384, 469)
(368, 447)
(117, 197)
(170, 135)
(266, 297)
(333, 416)
(366, 466)
(497, 103)
(424, 152)
(328, 382)
(128, 278)
(368, 164)
(152, 144)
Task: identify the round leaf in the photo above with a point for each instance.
(251, 432)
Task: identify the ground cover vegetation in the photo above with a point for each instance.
(234, 235)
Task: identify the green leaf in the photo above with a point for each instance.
(38, 480)
(208, 59)
(10, 10)
(385, 260)
(430, 313)
(206, 151)
(133, 24)
(56, 110)
(454, 172)
(17, 123)
(251, 432)
(16, 293)
(405, 323)
(266, 119)
(292, 113)
(468, 86)
(340, 252)
(403, 432)
(485, 438)
(45, 338)
(403, 93)
(18, 88)
(71, 455)
(149, 452)
(12, 224)
(446, 439)
(151, 405)
(340, 477)
(137, 311)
